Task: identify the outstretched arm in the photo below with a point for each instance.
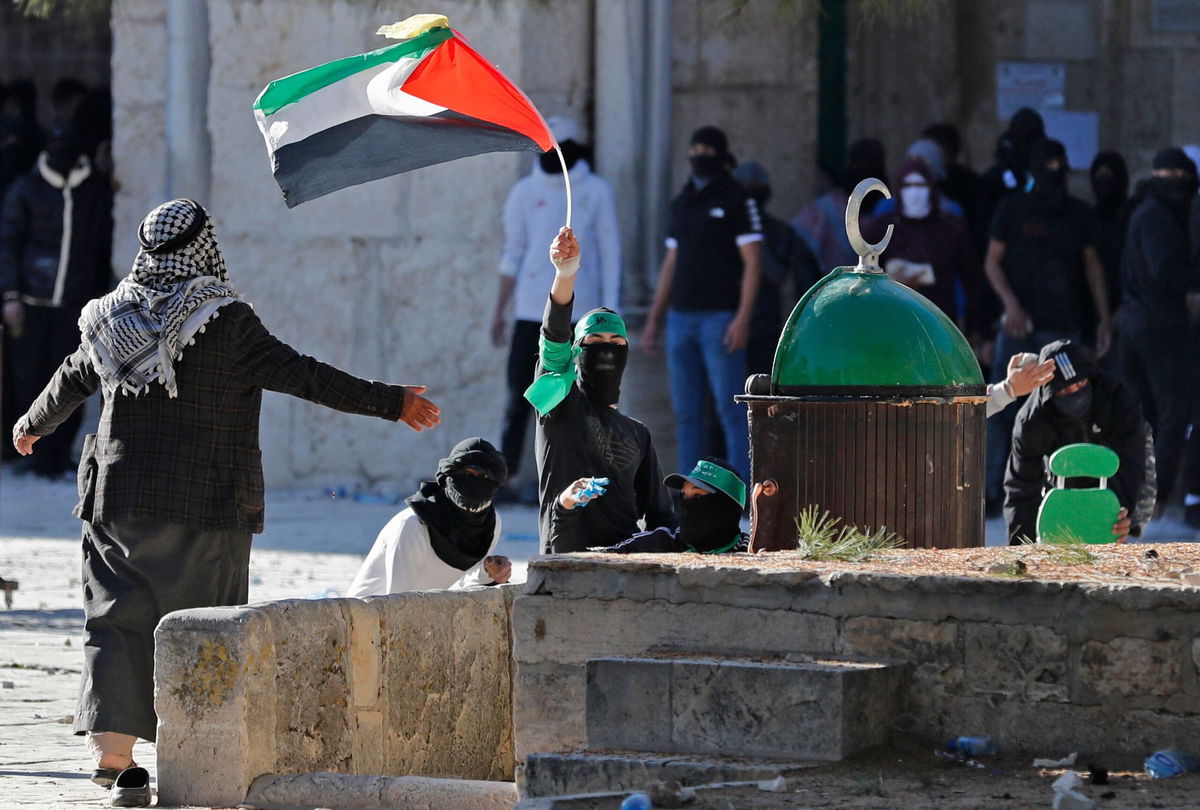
(273, 365)
(73, 382)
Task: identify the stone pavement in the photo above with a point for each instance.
(312, 547)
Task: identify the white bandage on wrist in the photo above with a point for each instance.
(566, 269)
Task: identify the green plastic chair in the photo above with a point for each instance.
(1080, 515)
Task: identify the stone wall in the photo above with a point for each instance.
(1041, 666)
(411, 684)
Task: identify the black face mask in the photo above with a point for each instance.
(706, 167)
(1176, 192)
(62, 159)
(600, 368)
(472, 494)
(1076, 405)
(1109, 191)
(709, 522)
(571, 154)
(1049, 181)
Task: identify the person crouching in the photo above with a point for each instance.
(710, 512)
(445, 537)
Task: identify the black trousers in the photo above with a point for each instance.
(522, 362)
(1157, 368)
(135, 571)
(50, 334)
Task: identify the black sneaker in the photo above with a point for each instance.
(132, 788)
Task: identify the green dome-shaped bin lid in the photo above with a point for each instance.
(856, 332)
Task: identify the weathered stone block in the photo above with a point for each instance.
(215, 699)
(548, 707)
(932, 648)
(573, 631)
(825, 710)
(552, 774)
(1131, 667)
(1023, 661)
(347, 792)
(449, 680)
(312, 711)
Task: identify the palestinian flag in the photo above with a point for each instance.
(427, 99)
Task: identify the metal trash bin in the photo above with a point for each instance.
(874, 411)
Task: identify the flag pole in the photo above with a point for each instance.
(566, 179)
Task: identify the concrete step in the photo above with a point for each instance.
(796, 708)
(580, 772)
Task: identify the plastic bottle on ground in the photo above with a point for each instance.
(977, 746)
(637, 801)
(1168, 763)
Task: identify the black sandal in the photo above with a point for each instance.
(104, 777)
(131, 789)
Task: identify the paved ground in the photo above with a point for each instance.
(311, 548)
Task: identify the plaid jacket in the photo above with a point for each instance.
(195, 459)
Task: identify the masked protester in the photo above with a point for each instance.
(930, 250)
(580, 430)
(713, 497)
(171, 484)
(1043, 265)
(532, 215)
(704, 302)
(1081, 403)
(55, 255)
(1157, 276)
(446, 536)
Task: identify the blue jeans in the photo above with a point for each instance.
(696, 352)
(1000, 426)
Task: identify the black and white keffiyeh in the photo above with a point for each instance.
(135, 334)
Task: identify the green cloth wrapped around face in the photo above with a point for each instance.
(559, 369)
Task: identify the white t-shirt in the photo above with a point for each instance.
(402, 559)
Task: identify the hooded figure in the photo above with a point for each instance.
(580, 431)
(930, 250)
(55, 254)
(1010, 173)
(171, 483)
(1081, 403)
(713, 497)
(445, 536)
(1158, 275)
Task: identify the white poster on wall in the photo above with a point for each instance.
(1040, 85)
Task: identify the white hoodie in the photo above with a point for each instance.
(535, 210)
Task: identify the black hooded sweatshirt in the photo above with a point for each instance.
(1157, 269)
(1114, 421)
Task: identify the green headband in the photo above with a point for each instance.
(720, 479)
(600, 320)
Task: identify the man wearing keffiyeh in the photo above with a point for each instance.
(171, 484)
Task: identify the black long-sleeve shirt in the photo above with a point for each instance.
(1157, 270)
(580, 439)
(1115, 421)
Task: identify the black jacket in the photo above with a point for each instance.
(1115, 421)
(194, 459)
(31, 240)
(1157, 270)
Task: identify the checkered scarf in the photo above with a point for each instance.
(135, 334)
